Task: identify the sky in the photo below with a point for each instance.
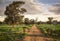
(41, 9)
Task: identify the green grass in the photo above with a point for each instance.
(9, 33)
(48, 26)
(17, 28)
(54, 28)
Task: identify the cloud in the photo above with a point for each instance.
(3, 4)
(55, 8)
(32, 7)
(49, 1)
(1, 12)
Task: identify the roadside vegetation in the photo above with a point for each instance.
(50, 30)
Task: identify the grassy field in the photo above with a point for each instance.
(19, 27)
(6, 28)
(9, 33)
(49, 26)
(51, 30)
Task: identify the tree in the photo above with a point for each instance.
(55, 21)
(32, 21)
(39, 22)
(1, 22)
(12, 12)
(20, 19)
(50, 20)
(26, 20)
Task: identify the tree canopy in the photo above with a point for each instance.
(12, 12)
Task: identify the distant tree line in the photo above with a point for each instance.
(28, 21)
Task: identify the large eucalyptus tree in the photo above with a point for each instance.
(12, 13)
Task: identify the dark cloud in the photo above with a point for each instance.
(49, 1)
(1, 12)
(55, 8)
(31, 6)
(3, 4)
